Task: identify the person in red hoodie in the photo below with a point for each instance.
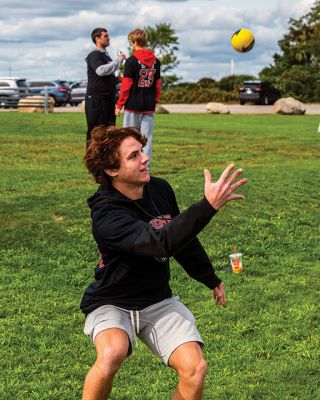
(140, 88)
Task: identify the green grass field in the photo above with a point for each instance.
(264, 345)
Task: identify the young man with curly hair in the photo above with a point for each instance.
(137, 226)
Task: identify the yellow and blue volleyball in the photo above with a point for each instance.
(242, 40)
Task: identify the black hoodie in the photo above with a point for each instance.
(135, 238)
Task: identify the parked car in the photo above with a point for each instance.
(12, 90)
(78, 92)
(259, 92)
(79, 89)
(59, 90)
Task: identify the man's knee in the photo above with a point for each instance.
(110, 359)
(203, 368)
(189, 363)
(194, 370)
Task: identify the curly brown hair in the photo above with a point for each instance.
(103, 150)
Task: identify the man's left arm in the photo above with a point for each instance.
(193, 257)
(158, 83)
(110, 67)
(195, 261)
(158, 90)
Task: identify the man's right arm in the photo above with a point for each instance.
(123, 231)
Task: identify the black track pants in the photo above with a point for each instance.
(99, 111)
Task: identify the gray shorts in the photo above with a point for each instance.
(145, 123)
(163, 327)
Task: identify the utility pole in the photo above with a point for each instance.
(232, 66)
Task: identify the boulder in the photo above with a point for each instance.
(82, 105)
(217, 108)
(161, 110)
(289, 106)
(35, 104)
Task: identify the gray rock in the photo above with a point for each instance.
(161, 110)
(217, 108)
(82, 105)
(289, 106)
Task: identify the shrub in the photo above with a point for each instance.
(193, 95)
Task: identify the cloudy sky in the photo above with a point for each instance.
(50, 38)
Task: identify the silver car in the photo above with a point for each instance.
(12, 90)
(79, 89)
(78, 92)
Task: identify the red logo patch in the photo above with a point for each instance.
(160, 222)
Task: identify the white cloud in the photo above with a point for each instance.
(50, 39)
(293, 9)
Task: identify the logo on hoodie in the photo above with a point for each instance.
(158, 223)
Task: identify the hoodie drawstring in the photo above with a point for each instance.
(135, 324)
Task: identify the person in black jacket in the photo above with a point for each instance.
(101, 87)
(137, 226)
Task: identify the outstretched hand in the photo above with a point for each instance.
(221, 192)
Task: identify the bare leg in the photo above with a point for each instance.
(191, 367)
(112, 348)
